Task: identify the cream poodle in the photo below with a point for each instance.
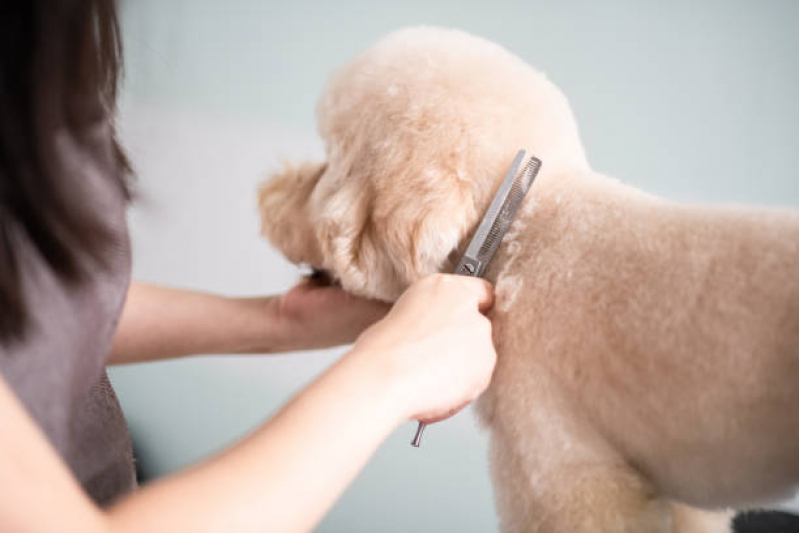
(648, 374)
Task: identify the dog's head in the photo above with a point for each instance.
(419, 131)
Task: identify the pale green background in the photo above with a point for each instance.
(692, 100)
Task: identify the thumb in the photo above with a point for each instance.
(481, 291)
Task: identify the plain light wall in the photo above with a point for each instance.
(691, 100)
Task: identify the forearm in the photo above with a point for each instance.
(422, 361)
(285, 476)
(160, 322)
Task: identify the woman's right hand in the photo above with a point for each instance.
(434, 347)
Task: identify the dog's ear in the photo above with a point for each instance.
(379, 236)
(285, 218)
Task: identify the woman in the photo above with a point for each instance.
(65, 458)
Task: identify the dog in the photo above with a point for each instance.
(648, 351)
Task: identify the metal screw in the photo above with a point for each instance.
(468, 267)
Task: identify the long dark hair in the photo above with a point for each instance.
(60, 62)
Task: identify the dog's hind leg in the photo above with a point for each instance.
(574, 496)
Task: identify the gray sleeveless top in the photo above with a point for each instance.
(58, 369)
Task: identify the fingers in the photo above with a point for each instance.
(448, 414)
(485, 294)
(479, 290)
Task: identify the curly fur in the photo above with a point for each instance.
(648, 351)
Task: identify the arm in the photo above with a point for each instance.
(430, 356)
(286, 475)
(160, 322)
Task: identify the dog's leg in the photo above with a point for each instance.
(691, 520)
(574, 497)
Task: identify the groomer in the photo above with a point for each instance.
(67, 309)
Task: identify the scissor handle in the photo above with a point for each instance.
(417, 439)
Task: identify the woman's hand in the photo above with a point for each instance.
(435, 345)
(316, 314)
(163, 322)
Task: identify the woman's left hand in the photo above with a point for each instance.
(315, 314)
(162, 323)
